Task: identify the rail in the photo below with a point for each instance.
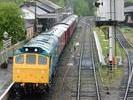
(94, 69)
(5, 95)
(80, 65)
(93, 65)
(79, 74)
(128, 58)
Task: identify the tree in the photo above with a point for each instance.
(83, 7)
(59, 2)
(11, 21)
(19, 2)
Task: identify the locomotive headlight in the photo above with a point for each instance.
(35, 50)
(26, 49)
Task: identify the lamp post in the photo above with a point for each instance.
(34, 4)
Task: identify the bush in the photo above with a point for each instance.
(11, 21)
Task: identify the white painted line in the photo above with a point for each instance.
(3, 96)
(99, 49)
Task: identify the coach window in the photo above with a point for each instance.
(19, 59)
(31, 59)
(42, 60)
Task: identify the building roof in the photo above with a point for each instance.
(29, 12)
(43, 7)
(51, 4)
(128, 9)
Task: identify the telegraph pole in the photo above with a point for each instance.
(110, 12)
(111, 34)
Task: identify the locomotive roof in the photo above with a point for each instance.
(45, 42)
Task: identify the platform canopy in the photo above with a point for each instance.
(44, 9)
(128, 9)
(50, 5)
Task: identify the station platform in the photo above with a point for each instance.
(5, 78)
(99, 49)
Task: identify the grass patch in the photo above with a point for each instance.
(104, 41)
(1, 44)
(110, 78)
(128, 33)
(130, 1)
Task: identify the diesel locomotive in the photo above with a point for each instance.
(34, 64)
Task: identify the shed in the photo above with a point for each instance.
(47, 13)
(129, 15)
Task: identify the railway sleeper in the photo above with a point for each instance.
(84, 94)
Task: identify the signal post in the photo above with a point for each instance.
(110, 13)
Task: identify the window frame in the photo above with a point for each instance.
(27, 62)
(19, 56)
(46, 60)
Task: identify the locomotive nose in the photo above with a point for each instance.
(31, 68)
(31, 75)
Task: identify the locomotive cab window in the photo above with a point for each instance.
(19, 59)
(31, 59)
(42, 60)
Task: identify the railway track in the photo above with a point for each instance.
(127, 83)
(87, 84)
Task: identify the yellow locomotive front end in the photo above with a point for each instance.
(31, 68)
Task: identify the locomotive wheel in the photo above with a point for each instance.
(17, 96)
(47, 89)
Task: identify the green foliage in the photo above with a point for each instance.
(59, 2)
(130, 1)
(83, 7)
(19, 2)
(110, 78)
(11, 21)
(128, 33)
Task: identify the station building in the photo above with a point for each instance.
(43, 13)
(129, 15)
